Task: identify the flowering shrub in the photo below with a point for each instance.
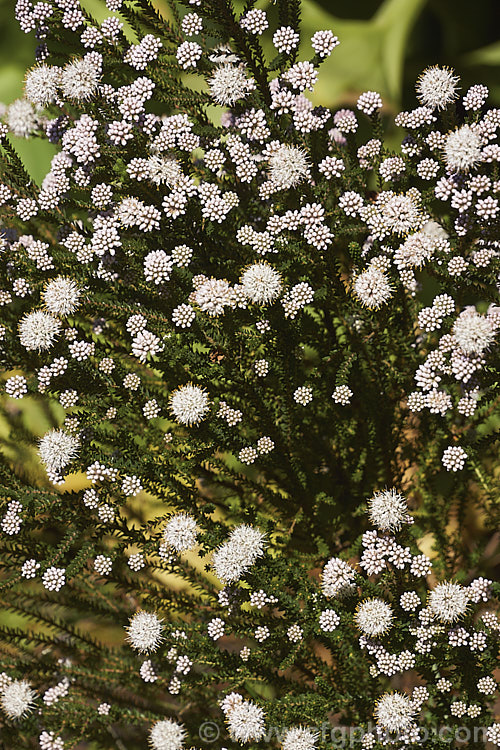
(267, 348)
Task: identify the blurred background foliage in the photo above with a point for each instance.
(384, 45)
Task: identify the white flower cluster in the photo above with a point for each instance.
(183, 286)
(235, 557)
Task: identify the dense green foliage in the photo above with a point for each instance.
(356, 244)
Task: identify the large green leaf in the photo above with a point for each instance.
(489, 55)
(371, 53)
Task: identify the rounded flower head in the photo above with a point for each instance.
(372, 288)
(254, 21)
(369, 102)
(401, 214)
(338, 578)
(437, 87)
(299, 738)
(246, 722)
(61, 296)
(189, 404)
(16, 387)
(373, 617)
(474, 332)
(454, 458)
(213, 296)
(57, 449)
(236, 556)
(180, 532)
(22, 119)
(230, 701)
(288, 166)
(42, 83)
(17, 699)
(462, 149)
(434, 231)
(79, 79)
(324, 42)
(229, 83)
(167, 735)
(394, 712)
(448, 601)
(164, 169)
(144, 632)
(38, 330)
(388, 510)
(261, 283)
(285, 39)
